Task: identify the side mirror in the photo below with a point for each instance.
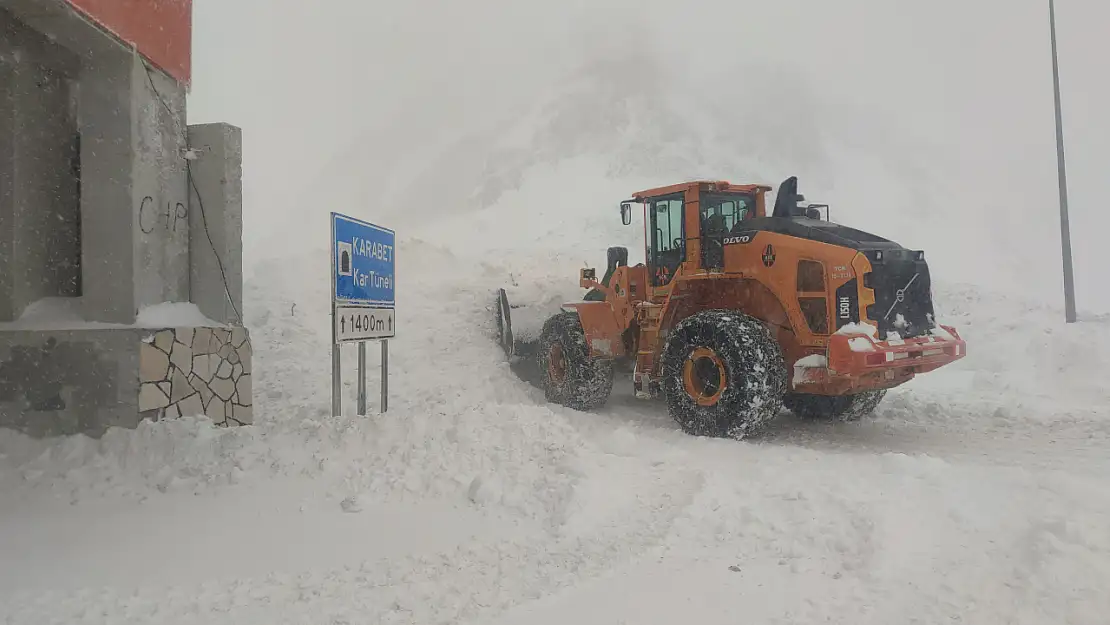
(626, 213)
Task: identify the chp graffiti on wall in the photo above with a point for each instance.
(167, 215)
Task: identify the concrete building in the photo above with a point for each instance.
(120, 226)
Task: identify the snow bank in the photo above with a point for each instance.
(614, 513)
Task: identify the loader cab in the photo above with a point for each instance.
(686, 224)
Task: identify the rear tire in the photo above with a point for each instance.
(568, 374)
(723, 374)
(842, 407)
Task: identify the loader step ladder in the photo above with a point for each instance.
(648, 315)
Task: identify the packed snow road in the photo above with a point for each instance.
(971, 496)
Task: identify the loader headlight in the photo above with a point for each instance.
(875, 256)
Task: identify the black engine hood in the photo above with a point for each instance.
(821, 231)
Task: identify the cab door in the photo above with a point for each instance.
(667, 237)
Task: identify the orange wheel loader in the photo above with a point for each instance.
(737, 314)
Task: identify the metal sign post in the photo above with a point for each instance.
(363, 301)
(362, 377)
(336, 357)
(1065, 227)
(385, 375)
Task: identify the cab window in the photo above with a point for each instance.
(721, 215)
(668, 241)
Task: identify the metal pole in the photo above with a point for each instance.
(336, 357)
(385, 375)
(362, 378)
(1065, 228)
(336, 372)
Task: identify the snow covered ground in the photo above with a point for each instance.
(976, 494)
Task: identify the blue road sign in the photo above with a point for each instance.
(363, 259)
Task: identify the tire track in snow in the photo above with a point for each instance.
(1073, 443)
(812, 537)
(475, 581)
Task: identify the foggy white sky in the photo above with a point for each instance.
(969, 80)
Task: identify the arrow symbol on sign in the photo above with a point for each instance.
(391, 324)
(342, 324)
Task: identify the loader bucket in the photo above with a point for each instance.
(517, 342)
(520, 313)
(504, 322)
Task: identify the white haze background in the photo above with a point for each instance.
(498, 136)
(930, 123)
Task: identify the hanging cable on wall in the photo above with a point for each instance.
(190, 155)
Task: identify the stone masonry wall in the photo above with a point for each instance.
(197, 371)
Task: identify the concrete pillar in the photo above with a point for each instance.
(107, 210)
(135, 229)
(216, 221)
(159, 196)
